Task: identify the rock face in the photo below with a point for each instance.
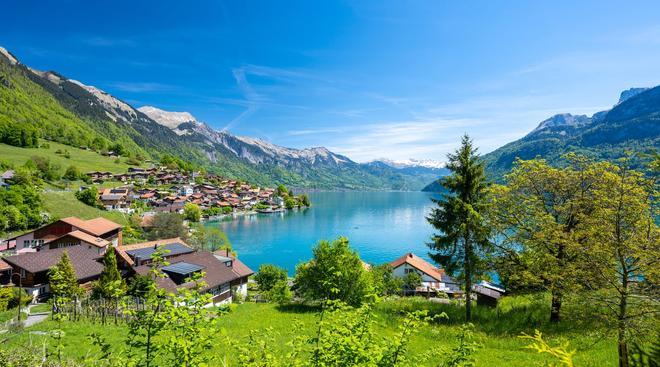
(629, 93)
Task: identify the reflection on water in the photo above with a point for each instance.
(380, 225)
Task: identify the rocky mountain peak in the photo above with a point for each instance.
(8, 55)
(629, 93)
(169, 119)
(562, 120)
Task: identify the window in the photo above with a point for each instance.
(219, 289)
(23, 273)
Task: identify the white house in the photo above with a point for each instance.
(433, 279)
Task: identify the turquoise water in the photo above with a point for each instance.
(381, 226)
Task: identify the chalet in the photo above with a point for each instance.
(138, 254)
(95, 234)
(223, 275)
(488, 294)
(33, 267)
(115, 199)
(434, 280)
(97, 176)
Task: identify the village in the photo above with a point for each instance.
(168, 190)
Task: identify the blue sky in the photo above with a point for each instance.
(396, 79)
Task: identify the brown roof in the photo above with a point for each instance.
(216, 272)
(97, 226)
(84, 260)
(121, 250)
(96, 241)
(4, 266)
(419, 264)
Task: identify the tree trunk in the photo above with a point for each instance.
(468, 278)
(621, 324)
(556, 306)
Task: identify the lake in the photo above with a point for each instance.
(381, 226)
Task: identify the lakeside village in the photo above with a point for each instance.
(28, 259)
(155, 190)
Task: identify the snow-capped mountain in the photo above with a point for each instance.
(408, 163)
(255, 151)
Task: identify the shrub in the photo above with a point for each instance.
(269, 275)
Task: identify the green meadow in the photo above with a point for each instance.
(496, 330)
(84, 160)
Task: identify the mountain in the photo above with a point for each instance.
(416, 173)
(311, 165)
(633, 124)
(44, 104)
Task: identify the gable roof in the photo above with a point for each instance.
(216, 272)
(421, 265)
(4, 266)
(84, 260)
(123, 250)
(97, 226)
(96, 241)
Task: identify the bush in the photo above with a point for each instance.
(335, 273)
(192, 212)
(268, 276)
(280, 293)
(9, 298)
(89, 196)
(72, 173)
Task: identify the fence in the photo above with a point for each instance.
(99, 310)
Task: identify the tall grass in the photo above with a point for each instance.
(512, 316)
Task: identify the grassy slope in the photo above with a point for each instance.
(85, 160)
(63, 204)
(498, 349)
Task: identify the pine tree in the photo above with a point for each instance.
(63, 280)
(110, 283)
(463, 239)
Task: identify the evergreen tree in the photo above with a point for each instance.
(110, 284)
(63, 280)
(463, 239)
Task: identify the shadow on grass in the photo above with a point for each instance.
(299, 308)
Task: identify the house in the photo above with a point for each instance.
(138, 254)
(488, 293)
(186, 190)
(97, 233)
(116, 199)
(224, 275)
(33, 267)
(5, 272)
(5, 177)
(434, 280)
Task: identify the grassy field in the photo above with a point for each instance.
(63, 204)
(85, 160)
(499, 347)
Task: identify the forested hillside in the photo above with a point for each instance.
(632, 125)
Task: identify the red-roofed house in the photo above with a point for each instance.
(433, 279)
(94, 233)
